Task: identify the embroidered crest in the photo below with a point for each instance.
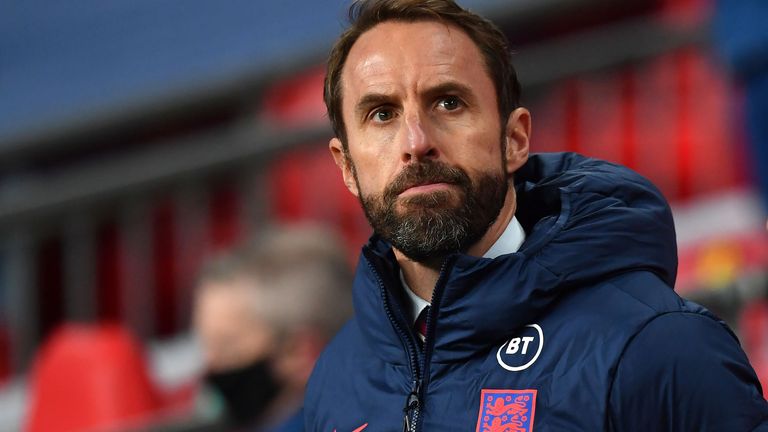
(506, 410)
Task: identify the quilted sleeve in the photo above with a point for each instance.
(685, 372)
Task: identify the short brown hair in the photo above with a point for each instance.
(365, 14)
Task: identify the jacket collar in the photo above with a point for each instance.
(586, 220)
(509, 242)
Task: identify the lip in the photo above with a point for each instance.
(425, 188)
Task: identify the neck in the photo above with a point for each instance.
(422, 276)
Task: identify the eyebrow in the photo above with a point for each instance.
(369, 101)
(450, 87)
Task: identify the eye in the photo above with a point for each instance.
(450, 103)
(381, 115)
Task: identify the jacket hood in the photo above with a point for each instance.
(586, 221)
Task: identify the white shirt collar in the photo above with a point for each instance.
(509, 242)
(417, 303)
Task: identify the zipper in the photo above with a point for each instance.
(413, 401)
(429, 342)
(411, 410)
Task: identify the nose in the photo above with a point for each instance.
(417, 142)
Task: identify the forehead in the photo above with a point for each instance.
(396, 53)
(221, 303)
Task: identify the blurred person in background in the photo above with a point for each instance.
(502, 290)
(263, 314)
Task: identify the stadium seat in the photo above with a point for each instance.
(90, 378)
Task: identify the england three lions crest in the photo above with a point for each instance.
(506, 410)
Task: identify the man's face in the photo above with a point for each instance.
(230, 335)
(427, 150)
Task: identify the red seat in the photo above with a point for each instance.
(90, 377)
(5, 354)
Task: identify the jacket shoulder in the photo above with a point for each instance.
(686, 367)
(335, 358)
(670, 357)
(617, 306)
(351, 385)
(328, 380)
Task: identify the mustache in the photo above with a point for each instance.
(425, 173)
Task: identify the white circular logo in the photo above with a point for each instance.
(520, 349)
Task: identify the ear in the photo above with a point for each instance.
(517, 135)
(345, 165)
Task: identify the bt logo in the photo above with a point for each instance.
(520, 352)
(514, 345)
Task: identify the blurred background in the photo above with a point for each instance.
(140, 138)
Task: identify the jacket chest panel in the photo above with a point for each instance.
(485, 400)
(554, 374)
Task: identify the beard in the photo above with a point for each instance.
(430, 226)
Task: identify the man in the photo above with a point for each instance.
(263, 315)
(546, 281)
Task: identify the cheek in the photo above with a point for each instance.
(479, 151)
(370, 179)
(374, 170)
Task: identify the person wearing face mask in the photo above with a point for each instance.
(263, 314)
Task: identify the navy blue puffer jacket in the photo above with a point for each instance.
(578, 331)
